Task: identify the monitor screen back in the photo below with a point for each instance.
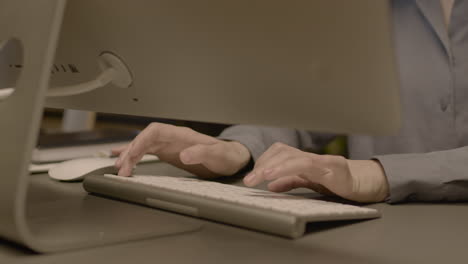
(322, 65)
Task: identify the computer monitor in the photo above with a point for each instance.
(317, 65)
(320, 65)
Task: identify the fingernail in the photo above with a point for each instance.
(267, 171)
(185, 158)
(249, 178)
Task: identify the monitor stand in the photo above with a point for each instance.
(54, 217)
(63, 216)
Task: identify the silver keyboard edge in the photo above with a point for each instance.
(281, 224)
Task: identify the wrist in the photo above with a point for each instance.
(381, 181)
(372, 184)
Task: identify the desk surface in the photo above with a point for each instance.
(408, 233)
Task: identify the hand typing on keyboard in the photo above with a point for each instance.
(185, 148)
(289, 168)
(286, 167)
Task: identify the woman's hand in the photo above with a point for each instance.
(185, 148)
(289, 168)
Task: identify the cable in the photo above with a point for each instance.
(114, 71)
(103, 79)
(5, 92)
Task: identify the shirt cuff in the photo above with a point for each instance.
(419, 177)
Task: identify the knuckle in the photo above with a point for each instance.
(133, 155)
(186, 130)
(215, 150)
(154, 126)
(157, 127)
(280, 169)
(153, 130)
(278, 145)
(311, 157)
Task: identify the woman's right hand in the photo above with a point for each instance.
(202, 155)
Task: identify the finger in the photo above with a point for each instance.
(265, 167)
(261, 171)
(127, 168)
(217, 157)
(121, 163)
(148, 138)
(276, 154)
(118, 162)
(287, 183)
(320, 189)
(271, 151)
(279, 154)
(116, 151)
(131, 156)
(302, 165)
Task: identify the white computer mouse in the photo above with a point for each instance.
(77, 169)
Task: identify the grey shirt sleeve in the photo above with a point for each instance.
(434, 176)
(259, 138)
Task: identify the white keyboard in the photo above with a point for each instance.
(203, 196)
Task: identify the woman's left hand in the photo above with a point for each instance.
(288, 168)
